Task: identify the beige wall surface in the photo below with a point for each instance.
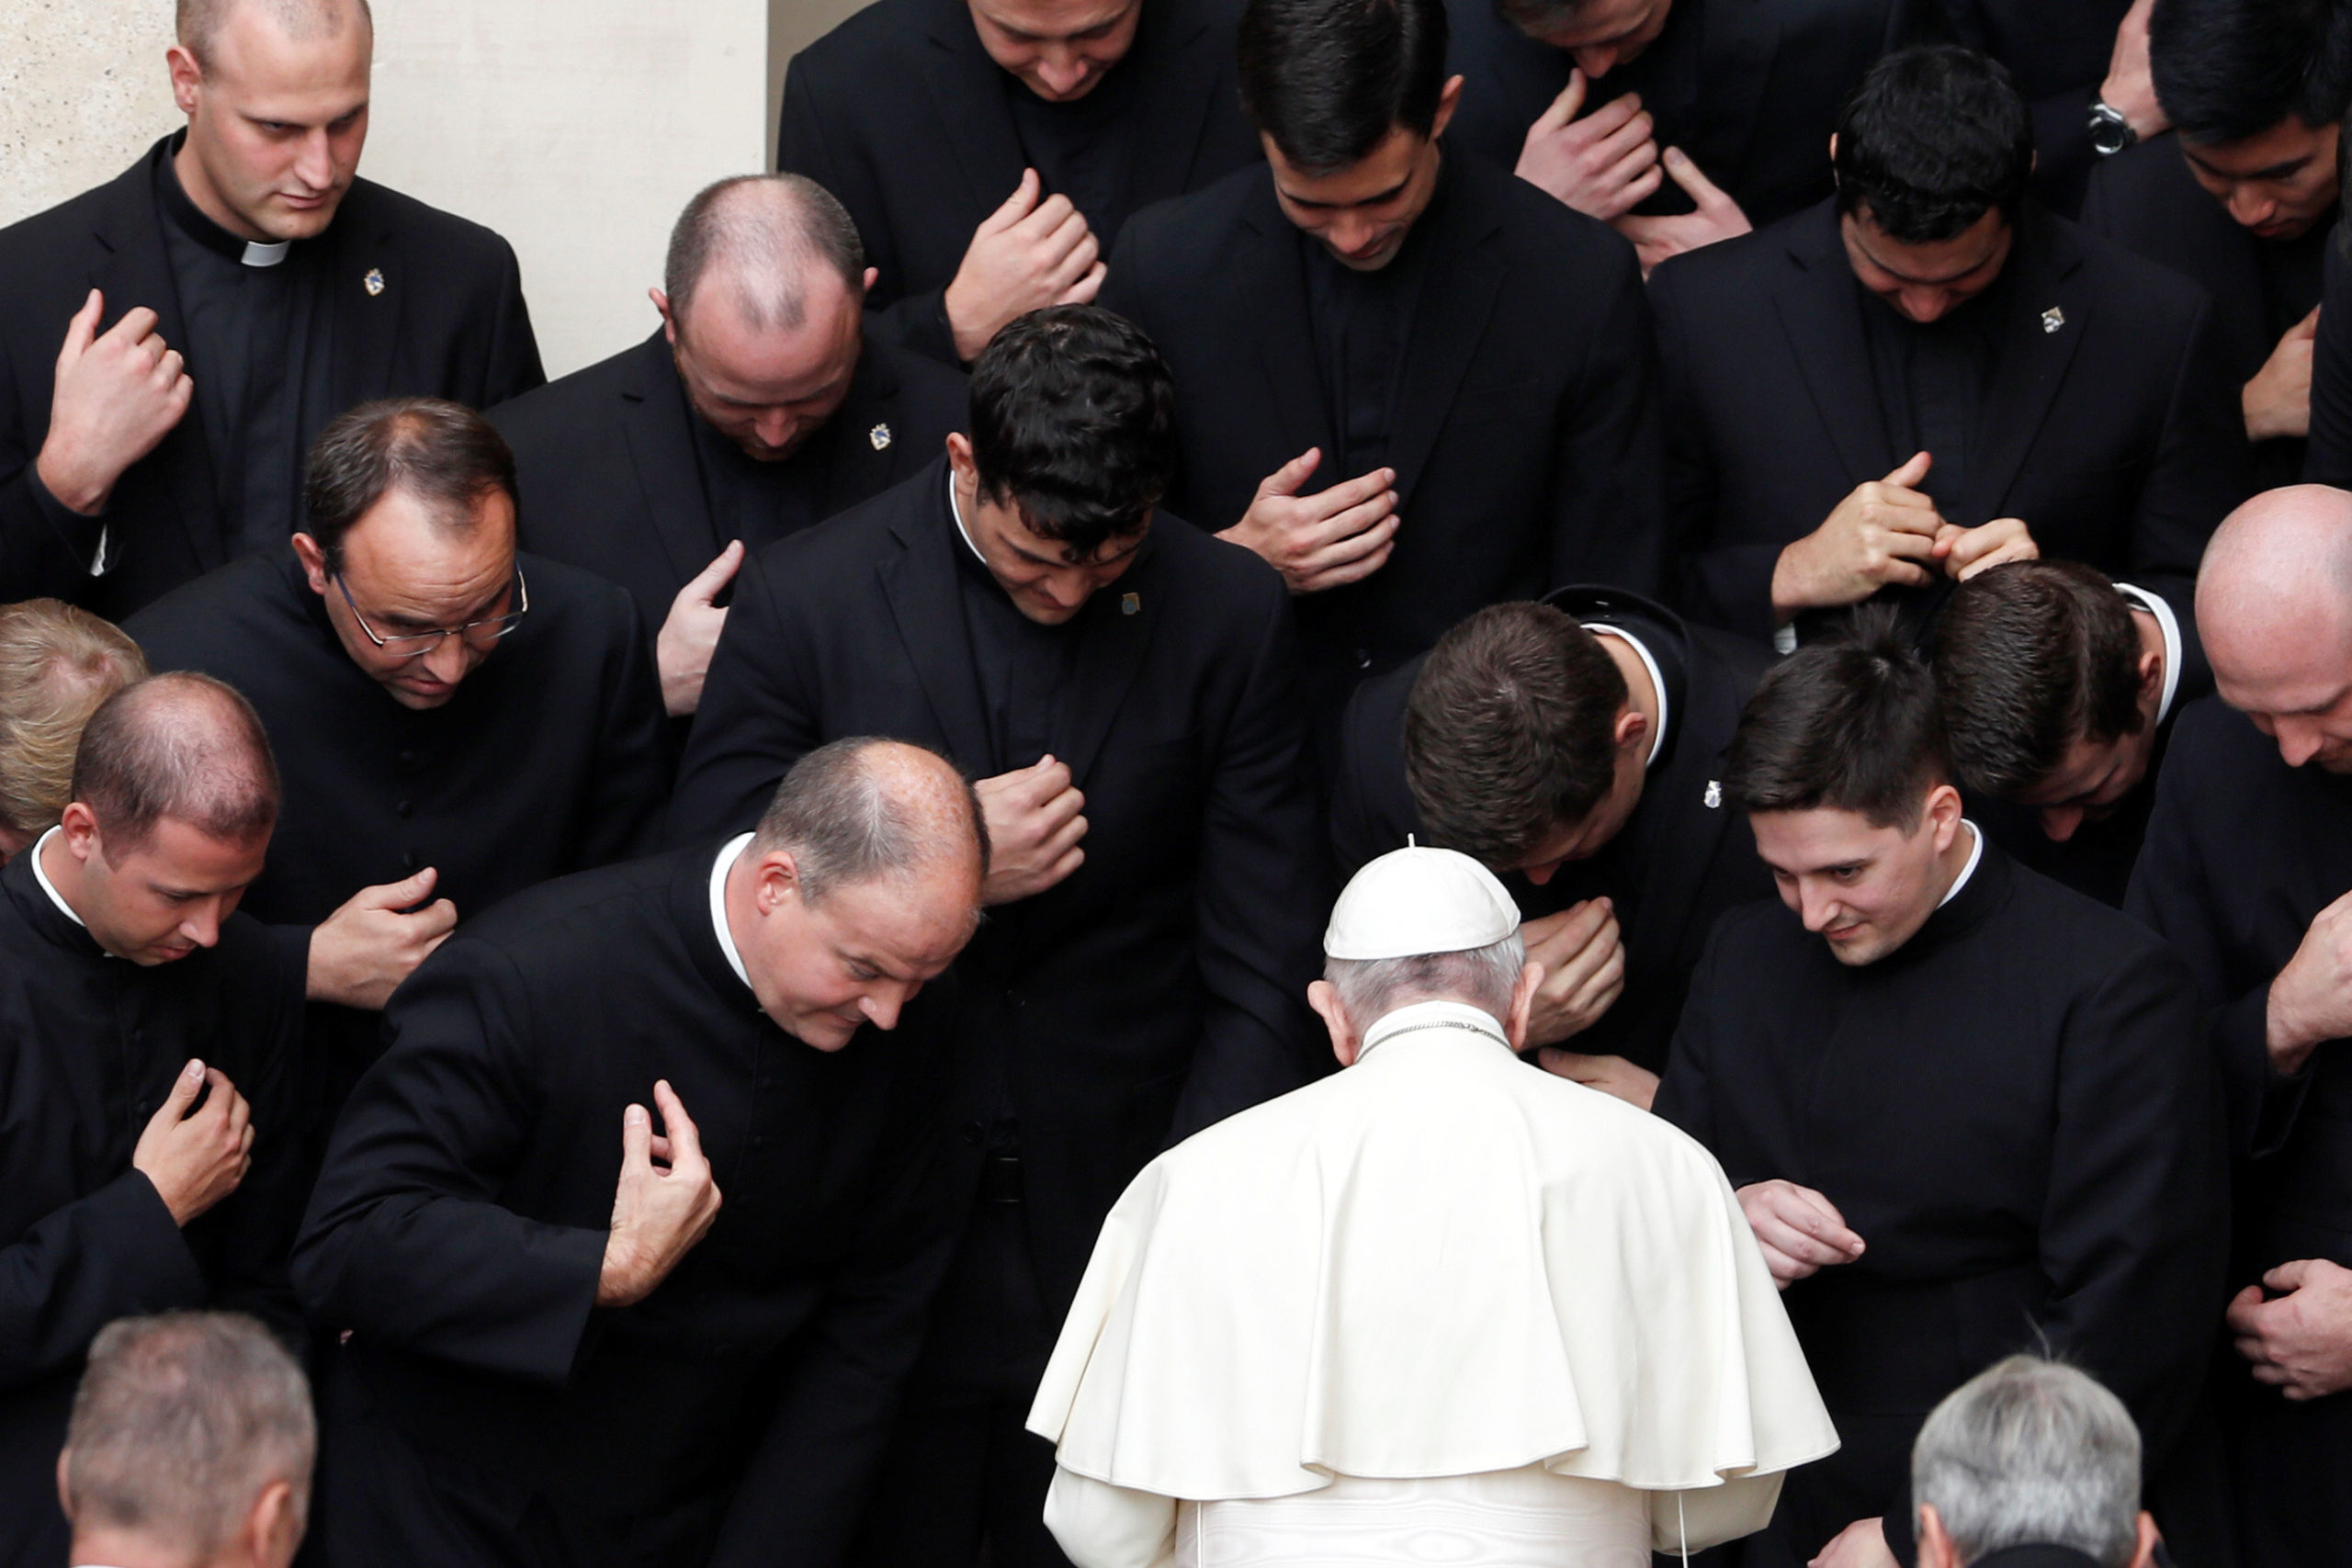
(575, 128)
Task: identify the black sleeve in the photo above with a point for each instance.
(1606, 511)
(513, 367)
(755, 721)
(631, 769)
(114, 1253)
(1260, 890)
(2203, 468)
(40, 539)
(404, 1241)
(1360, 830)
(2328, 460)
(1685, 1096)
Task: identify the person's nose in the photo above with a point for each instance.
(314, 164)
(1926, 304)
(882, 1004)
(448, 660)
(1351, 235)
(774, 427)
(1062, 70)
(2298, 743)
(2059, 823)
(1819, 908)
(1595, 59)
(2252, 207)
(202, 925)
(1543, 873)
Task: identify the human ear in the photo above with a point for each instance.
(1324, 997)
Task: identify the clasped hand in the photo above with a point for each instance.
(1034, 821)
(1801, 1232)
(2300, 1344)
(196, 1159)
(1888, 531)
(664, 1204)
(1027, 254)
(1334, 536)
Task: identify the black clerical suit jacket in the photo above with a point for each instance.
(2327, 458)
(1753, 102)
(2059, 55)
(1682, 857)
(1524, 435)
(460, 1227)
(901, 113)
(2108, 425)
(2146, 200)
(89, 1046)
(423, 304)
(2016, 1112)
(1160, 986)
(605, 463)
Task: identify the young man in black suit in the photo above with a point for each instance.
(1928, 374)
(1406, 380)
(1575, 748)
(2243, 197)
(219, 303)
(992, 149)
(1682, 122)
(1121, 684)
(2058, 688)
(765, 412)
(2247, 871)
(1967, 1111)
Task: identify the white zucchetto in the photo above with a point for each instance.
(1416, 900)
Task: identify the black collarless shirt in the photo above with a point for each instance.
(259, 350)
(754, 501)
(1023, 666)
(1934, 378)
(1361, 322)
(1082, 149)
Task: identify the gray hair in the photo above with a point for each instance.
(764, 231)
(180, 1423)
(1485, 977)
(2032, 1452)
(847, 816)
(198, 23)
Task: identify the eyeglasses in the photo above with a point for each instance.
(476, 635)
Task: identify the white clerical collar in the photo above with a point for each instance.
(41, 874)
(1657, 680)
(955, 510)
(260, 254)
(727, 856)
(1975, 853)
(1452, 1017)
(2167, 623)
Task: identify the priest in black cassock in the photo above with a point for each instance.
(2058, 688)
(758, 409)
(1121, 684)
(991, 150)
(1407, 380)
(147, 1036)
(2247, 871)
(585, 1333)
(1575, 748)
(438, 702)
(218, 304)
(1967, 1111)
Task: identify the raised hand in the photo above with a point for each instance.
(1320, 541)
(1716, 217)
(360, 954)
(194, 1160)
(1025, 255)
(682, 650)
(2130, 89)
(1969, 551)
(1035, 825)
(1801, 1232)
(118, 395)
(1602, 165)
(664, 1204)
(1583, 957)
(2310, 998)
(1885, 531)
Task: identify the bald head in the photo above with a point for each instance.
(861, 809)
(199, 22)
(183, 746)
(2274, 608)
(763, 240)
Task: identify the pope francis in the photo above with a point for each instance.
(1441, 1307)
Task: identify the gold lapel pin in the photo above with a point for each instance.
(1130, 602)
(880, 437)
(2052, 318)
(374, 281)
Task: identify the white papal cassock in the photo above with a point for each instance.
(1441, 1306)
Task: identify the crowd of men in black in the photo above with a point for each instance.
(1237, 437)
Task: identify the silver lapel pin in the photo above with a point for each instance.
(880, 437)
(2052, 318)
(1713, 798)
(374, 281)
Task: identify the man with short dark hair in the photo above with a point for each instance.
(148, 1032)
(1682, 122)
(1575, 748)
(218, 304)
(1966, 1109)
(2059, 687)
(991, 150)
(2247, 871)
(456, 721)
(757, 409)
(1407, 382)
(1929, 375)
(681, 1346)
(1122, 686)
(191, 1441)
(2242, 199)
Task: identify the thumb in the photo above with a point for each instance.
(83, 330)
(1565, 107)
(1909, 475)
(2308, 326)
(1286, 480)
(717, 574)
(637, 1140)
(1024, 197)
(400, 895)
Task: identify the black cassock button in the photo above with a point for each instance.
(408, 859)
(406, 807)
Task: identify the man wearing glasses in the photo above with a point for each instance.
(452, 719)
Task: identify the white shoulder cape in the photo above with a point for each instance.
(1441, 1261)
